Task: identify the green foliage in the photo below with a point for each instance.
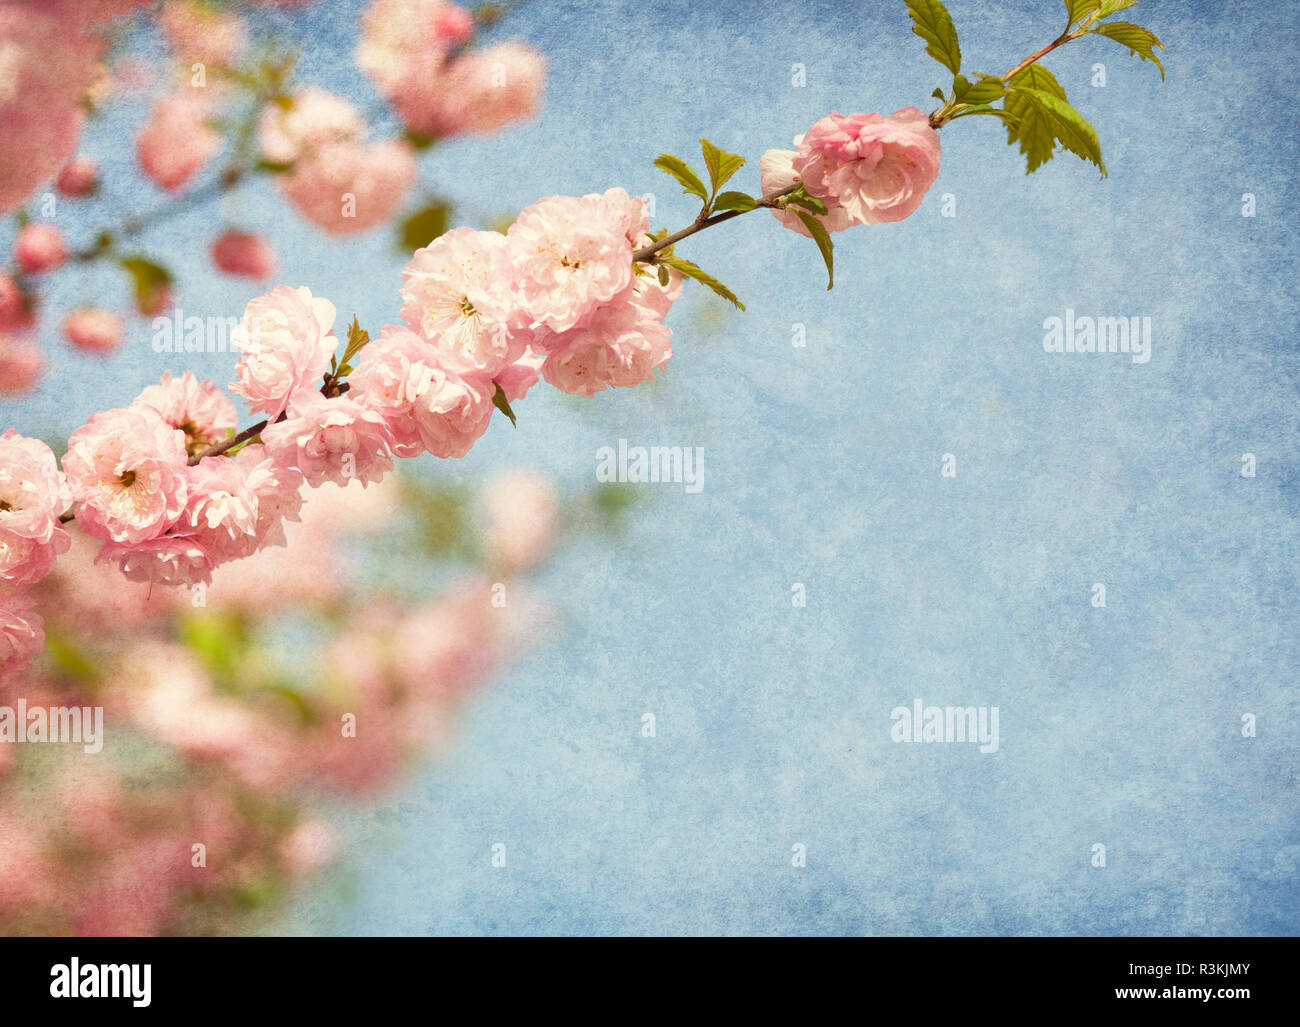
(721, 164)
(1040, 117)
(681, 171)
(698, 274)
(934, 25)
(358, 338)
(1138, 40)
(422, 227)
(824, 244)
(734, 201)
(501, 403)
(149, 281)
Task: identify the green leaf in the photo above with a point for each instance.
(274, 167)
(1138, 40)
(1026, 123)
(419, 141)
(938, 93)
(149, 282)
(934, 25)
(824, 244)
(1077, 9)
(800, 198)
(358, 337)
(422, 227)
(703, 277)
(721, 164)
(960, 83)
(984, 108)
(1067, 125)
(664, 277)
(1109, 7)
(681, 171)
(986, 90)
(734, 201)
(501, 403)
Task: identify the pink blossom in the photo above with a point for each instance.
(39, 247)
(403, 44)
(478, 91)
(33, 493)
(21, 364)
(346, 187)
(167, 560)
(309, 846)
(622, 344)
(877, 169)
(456, 293)
(93, 329)
(13, 309)
(127, 472)
(79, 177)
(454, 24)
(425, 406)
(46, 69)
(777, 170)
(286, 340)
(332, 439)
(176, 143)
(313, 119)
(571, 254)
(521, 512)
(22, 634)
(202, 32)
(278, 488)
(244, 253)
(198, 408)
(522, 375)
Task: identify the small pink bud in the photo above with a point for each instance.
(39, 247)
(244, 253)
(79, 177)
(454, 24)
(95, 330)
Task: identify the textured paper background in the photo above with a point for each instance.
(1118, 725)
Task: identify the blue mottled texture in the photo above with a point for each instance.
(1118, 725)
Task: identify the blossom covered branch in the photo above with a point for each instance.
(576, 291)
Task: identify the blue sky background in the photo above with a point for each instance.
(1119, 726)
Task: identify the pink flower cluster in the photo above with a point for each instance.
(866, 169)
(334, 179)
(415, 53)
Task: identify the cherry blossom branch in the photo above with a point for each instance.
(646, 253)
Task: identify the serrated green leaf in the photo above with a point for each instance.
(721, 164)
(938, 93)
(422, 227)
(986, 90)
(1026, 123)
(358, 337)
(681, 171)
(960, 83)
(501, 403)
(1067, 126)
(734, 201)
(700, 275)
(1077, 9)
(1109, 7)
(823, 240)
(934, 25)
(1137, 39)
